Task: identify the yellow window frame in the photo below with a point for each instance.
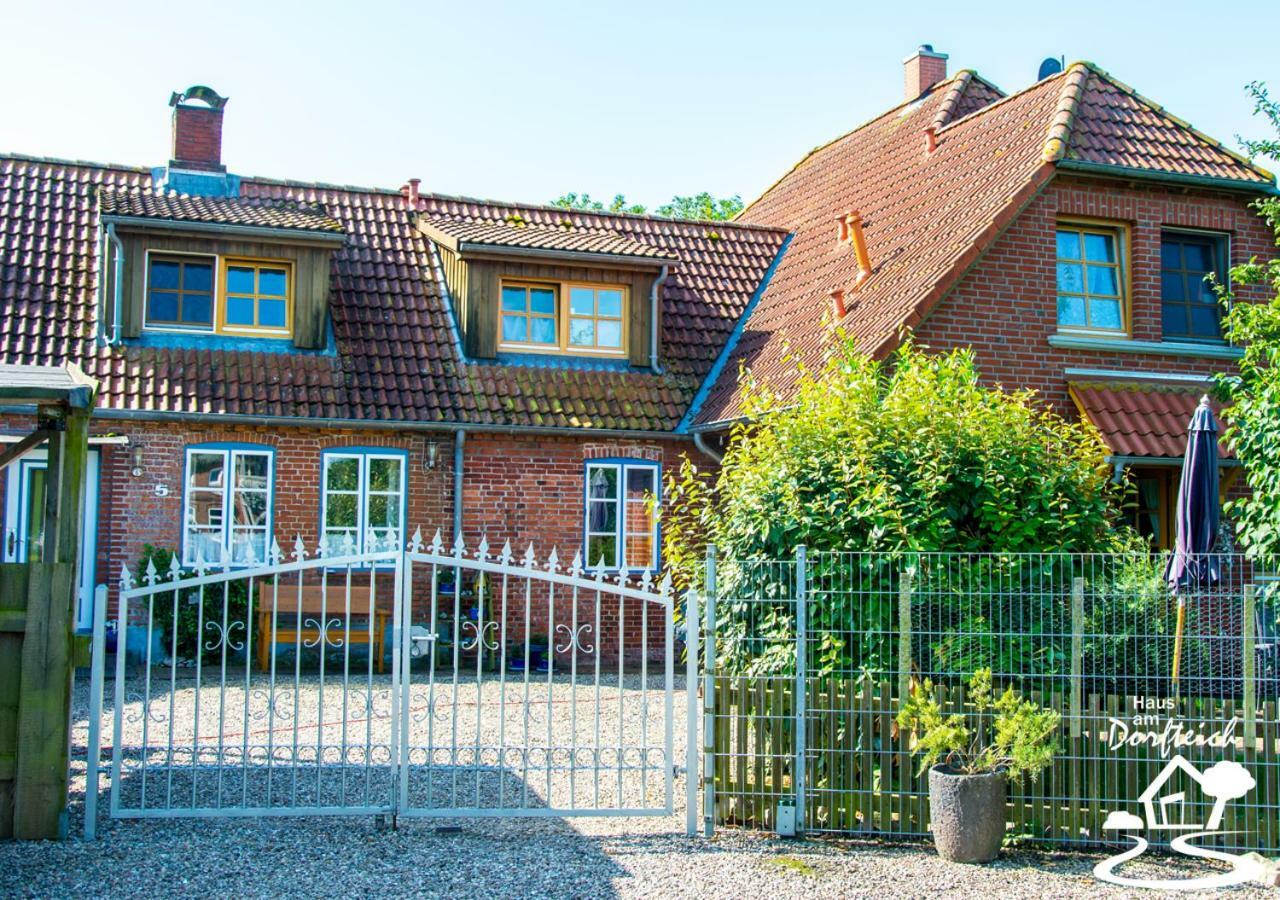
(224, 294)
(529, 315)
(563, 289)
(1119, 232)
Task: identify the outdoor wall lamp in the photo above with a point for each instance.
(137, 462)
(433, 451)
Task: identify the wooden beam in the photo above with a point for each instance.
(30, 442)
(74, 464)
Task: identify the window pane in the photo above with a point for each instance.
(1206, 292)
(241, 542)
(203, 544)
(163, 307)
(384, 474)
(542, 300)
(1171, 286)
(544, 331)
(1071, 311)
(602, 515)
(582, 332)
(239, 280)
(239, 311)
(164, 274)
(384, 511)
(1170, 254)
(610, 303)
(602, 482)
(273, 282)
(1068, 245)
(1204, 322)
(205, 469)
(639, 551)
(1105, 313)
(1102, 280)
(249, 508)
(609, 334)
(197, 277)
(251, 470)
(1100, 248)
(197, 309)
(204, 508)
(513, 328)
(602, 549)
(513, 299)
(1070, 279)
(639, 482)
(1175, 319)
(271, 313)
(340, 511)
(582, 301)
(343, 474)
(1197, 256)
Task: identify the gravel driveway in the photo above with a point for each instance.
(504, 857)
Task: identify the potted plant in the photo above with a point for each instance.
(971, 759)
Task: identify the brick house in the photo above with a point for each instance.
(280, 359)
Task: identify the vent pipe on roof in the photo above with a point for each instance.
(922, 70)
(931, 139)
(837, 303)
(857, 237)
(410, 192)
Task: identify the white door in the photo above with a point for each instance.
(24, 522)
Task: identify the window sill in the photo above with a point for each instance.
(1156, 348)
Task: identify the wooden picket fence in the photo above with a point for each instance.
(861, 777)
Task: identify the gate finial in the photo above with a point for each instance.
(553, 561)
(482, 552)
(415, 544)
(505, 556)
(126, 579)
(575, 569)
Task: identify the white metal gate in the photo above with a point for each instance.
(514, 687)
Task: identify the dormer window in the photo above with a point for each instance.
(180, 292)
(534, 316)
(253, 297)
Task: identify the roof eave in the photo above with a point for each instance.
(473, 248)
(1204, 181)
(291, 235)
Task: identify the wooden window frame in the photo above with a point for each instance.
(621, 465)
(1221, 242)
(1121, 232)
(1167, 489)
(181, 257)
(562, 288)
(257, 264)
(221, 265)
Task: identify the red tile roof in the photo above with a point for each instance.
(565, 235)
(929, 216)
(136, 203)
(1142, 419)
(396, 359)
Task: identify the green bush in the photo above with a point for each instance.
(897, 458)
(195, 607)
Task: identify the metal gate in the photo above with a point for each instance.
(514, 687)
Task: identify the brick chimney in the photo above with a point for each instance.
(197, 129)
(923, 70)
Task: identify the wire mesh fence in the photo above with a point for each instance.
(810, 659)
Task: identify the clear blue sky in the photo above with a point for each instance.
(527, 100)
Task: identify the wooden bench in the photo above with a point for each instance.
(317, 599)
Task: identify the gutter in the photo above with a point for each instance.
(147, 415)
(117, 303)
(700, 442)
(1120, 463)
(280, 234)
(459, 443)
(1204, 181)
(653, 319)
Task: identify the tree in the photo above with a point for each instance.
(1253, 391)
(584, 202)
(702, 207)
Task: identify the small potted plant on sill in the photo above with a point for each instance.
(972, 758)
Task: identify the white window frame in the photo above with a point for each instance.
(228, 490)
(362, 491)
(622, 467)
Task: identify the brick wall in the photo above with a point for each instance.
(197, 137)
(1006, 307)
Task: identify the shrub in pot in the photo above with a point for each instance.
(972, 757)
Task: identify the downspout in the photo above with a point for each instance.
(459, 441)
(118, 286)
(702, 445)
(653, 320)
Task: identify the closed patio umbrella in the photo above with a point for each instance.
(1193, 563)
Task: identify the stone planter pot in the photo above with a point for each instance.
(967, 814)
